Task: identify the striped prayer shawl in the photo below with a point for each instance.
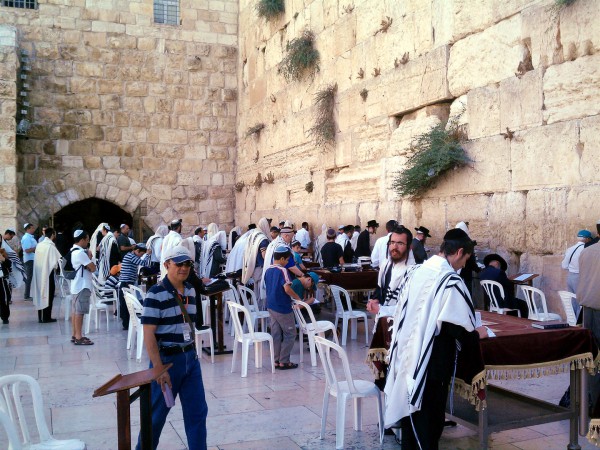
(434, 294)
(17, 274)
(106, 246)
(250, 254)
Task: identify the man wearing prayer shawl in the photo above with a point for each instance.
(212, 255)
(46, 260)
(172, 239)
(17, 275)
(254, 255)
(155, 243)
(109, 253)
(434, 314)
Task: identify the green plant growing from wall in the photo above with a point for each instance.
(259, 181)
(239, 186)
(564, 3)
(256, 129)
(270, 9)
(433, 154)
(324, 129)
(301, 58)
(269, 178)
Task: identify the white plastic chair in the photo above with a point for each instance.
(311, 328)
(13, 390)
(96, 307)
(13, 438)
(343, 390)
(347, 314)
(64, 286)
(249, 301)
(490, 287)
(567, 298)
(204, 331)
(107, 295)
(135, 325)
(533, 297)
(247, 339)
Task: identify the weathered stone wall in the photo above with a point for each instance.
(519, 64)
(127, 110)
(8, 109)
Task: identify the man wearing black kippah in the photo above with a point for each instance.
(434, 314)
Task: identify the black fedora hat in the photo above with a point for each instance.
(495, 257)
(423, 230)
(372, 223)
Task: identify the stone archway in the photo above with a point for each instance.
(89, 213)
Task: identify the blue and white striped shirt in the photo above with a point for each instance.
(161, 309)
(129, 267)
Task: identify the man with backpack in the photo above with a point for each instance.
(81, 285)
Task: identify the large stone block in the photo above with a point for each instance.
(483, 106)
(545, 157)
(486, 57)
(545, 221)
(589, 149)
(521, 101)
(421, 81)
(580, 29)
(572, 89)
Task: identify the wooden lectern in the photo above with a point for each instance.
(121, 384)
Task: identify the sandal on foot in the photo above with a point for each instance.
(73, 338)
(286, 366)
(83, 341)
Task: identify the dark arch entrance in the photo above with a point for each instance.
(90, 213)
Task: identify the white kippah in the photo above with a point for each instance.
(77, 233)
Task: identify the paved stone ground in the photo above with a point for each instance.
(263, 411)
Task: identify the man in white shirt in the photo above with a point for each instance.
(571, 263)
(303, 236)
(81, 285)
(28, 244)
(171, 240)
(379, 253)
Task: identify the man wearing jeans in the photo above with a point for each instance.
(169, 308)
(28, 244)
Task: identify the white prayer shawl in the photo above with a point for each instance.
(462, 226)
(94, 240)
(269, 260)
(250, 254)
(208, 251)
(46, 259)
(435, 293)
(354, 240)
(238, 231)
(235, 259)
(173, 239)
(342, 239)
(17, 275)
(106, 245)
(319, 243)
(211, 230)
(388, 305)
(155, 242)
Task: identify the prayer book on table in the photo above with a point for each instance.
(550, 325)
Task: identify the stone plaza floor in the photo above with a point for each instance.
(280, 410)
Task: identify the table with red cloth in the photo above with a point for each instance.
(518, 351)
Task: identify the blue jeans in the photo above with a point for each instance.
(186, 379)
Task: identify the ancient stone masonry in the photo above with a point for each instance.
(8, 110)
(123, 109)
(525, 72)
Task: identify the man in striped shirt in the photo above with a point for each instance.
(139, 256)
(169, 318)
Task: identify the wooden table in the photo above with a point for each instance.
(364, 281)
(216, 322)
(121, 385)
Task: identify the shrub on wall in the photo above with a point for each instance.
(433, 154)
(301, 58)
(324, 128)
(270, 9)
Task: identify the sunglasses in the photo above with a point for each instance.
(184, 264)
